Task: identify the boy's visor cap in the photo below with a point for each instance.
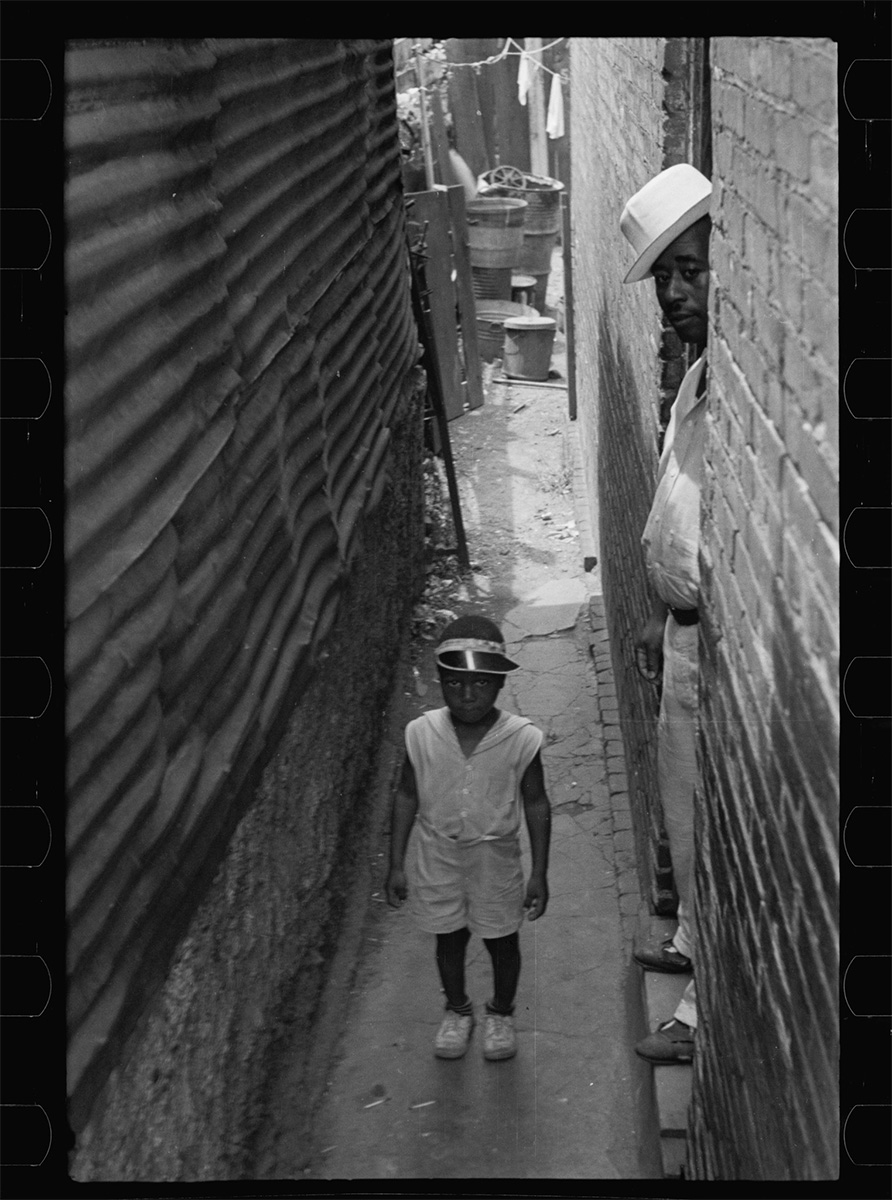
(475, 654)
(662, 210)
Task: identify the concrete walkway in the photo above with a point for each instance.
(575, 1103)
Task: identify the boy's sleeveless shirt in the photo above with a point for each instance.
(470, 799)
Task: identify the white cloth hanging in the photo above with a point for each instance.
(554, 125)
(524, 78)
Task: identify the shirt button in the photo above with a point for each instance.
(464, 812)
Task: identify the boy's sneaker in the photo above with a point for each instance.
(499, 1039)
(453, 1035)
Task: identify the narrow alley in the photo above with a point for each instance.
(363, 336)
(576, 1102)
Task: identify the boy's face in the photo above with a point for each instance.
(470, 695)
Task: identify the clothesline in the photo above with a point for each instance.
(554, 125)
(506, 52)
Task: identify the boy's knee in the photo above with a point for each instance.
(457, 937)
(509, 944)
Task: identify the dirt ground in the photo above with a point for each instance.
(516, 495)
(516, 536)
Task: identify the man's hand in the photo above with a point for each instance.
(649, 648)
(536, 899)
(396, 888)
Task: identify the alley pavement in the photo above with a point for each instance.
(575, 1102)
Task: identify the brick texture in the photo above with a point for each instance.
(618, 129)
(765, 1099)
(766, 1071)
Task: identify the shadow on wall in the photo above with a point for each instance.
(627, 460)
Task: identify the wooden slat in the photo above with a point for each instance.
(441, 424)
(443, 173)
(455, 199)
(569, 324)
(430, 209)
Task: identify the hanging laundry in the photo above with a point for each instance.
(554, 124)
(524, 78)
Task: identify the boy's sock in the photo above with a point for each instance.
(490, 1008)
(463, 1010)
(451, 949)
(505, 955)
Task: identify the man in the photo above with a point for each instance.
(667, 223)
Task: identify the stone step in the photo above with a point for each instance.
(672, 1083)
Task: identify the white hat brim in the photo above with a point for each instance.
(645, 261)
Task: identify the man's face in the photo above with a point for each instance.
(681, 274)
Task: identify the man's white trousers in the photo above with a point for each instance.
(677, 777)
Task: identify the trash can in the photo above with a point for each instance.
(529, 341)
(495, 230)
(491, 317)
(541, 222)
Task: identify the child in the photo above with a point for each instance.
(468, 769)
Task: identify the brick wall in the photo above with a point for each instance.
(765, 1097)
(765, 130)
(631, 105)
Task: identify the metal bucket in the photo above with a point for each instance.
(536, 252)
(495, 231)
(543, 198)
(491, 317)
(540, 291)
(491, 283)
(542, 220)
(529, 342)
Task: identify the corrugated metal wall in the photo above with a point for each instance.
(239, 334)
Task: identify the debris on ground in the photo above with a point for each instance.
(442, 569)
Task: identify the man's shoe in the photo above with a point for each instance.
(663, 958)
(671, 1042)
(499, 1039)
(453, 1035)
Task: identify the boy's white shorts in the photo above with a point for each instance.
(455, 884)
